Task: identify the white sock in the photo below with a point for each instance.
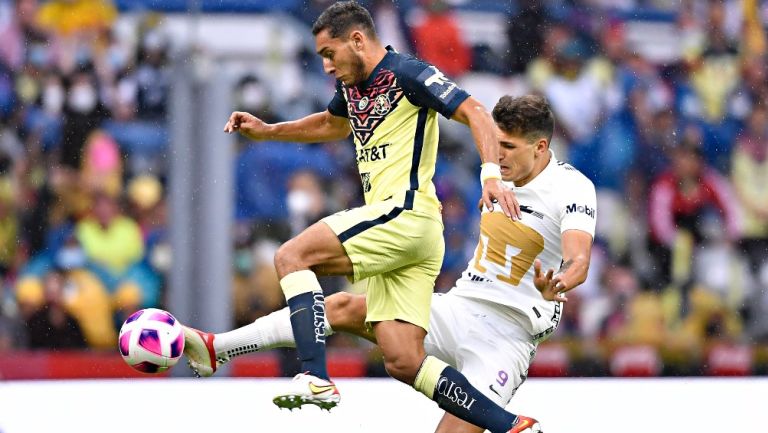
(265, 333)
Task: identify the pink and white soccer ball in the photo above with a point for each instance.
(151, 340)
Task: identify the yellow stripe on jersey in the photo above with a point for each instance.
(498, 233)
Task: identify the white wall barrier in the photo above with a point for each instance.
(684, 405)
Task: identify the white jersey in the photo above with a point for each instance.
(560, 198)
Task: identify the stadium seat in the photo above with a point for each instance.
(551, 360)
(635, 361)
(729, 360)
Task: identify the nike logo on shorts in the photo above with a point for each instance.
(494, 391)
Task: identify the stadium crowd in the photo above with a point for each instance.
(673, 132)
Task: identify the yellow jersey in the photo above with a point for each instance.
(393, 115)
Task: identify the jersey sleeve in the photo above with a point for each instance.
(578, 204)
(425, 86)
(338, 105)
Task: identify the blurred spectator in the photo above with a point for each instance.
(525, 34)
(145, 195)
(52, 327)
(20, 35)
(102, 165)
(750, 177)
(256, 288)
(9, 228)
(305, 200)
(109, 238)
(83, 113)
(153, 77)
(449, 53)
(679, 201)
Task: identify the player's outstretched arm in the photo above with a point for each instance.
(577, 247)
(473, 114)
(322, 126)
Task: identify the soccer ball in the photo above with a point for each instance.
(151, 340)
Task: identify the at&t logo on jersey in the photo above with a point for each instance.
(575, 208)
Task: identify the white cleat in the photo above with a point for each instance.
(308, 389)
(201, 357)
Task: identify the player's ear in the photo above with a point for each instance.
(542, 145)
(357, 38)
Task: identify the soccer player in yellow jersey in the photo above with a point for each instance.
(389, 102)
(490, 323)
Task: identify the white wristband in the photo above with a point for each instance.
(489, 170)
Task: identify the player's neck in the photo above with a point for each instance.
(373, 58)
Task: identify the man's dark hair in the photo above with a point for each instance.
(527, 116)
(341, 17)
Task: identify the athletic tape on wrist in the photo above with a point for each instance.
(489, 170)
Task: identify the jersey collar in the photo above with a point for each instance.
(384, 63)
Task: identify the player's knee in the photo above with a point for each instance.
(288, 258)
(403, 367)
(337, 308)
(345, 310)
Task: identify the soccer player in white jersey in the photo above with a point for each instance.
(489, 324)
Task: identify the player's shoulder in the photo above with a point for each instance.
(408, 66)
(567, 175)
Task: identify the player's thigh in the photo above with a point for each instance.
(404, 294)
(491, 349)
(317, 248)
(444, 319)
(496, 364)
(451, 424)
(382, 237)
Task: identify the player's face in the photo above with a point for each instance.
(519, 159)
(341, 57)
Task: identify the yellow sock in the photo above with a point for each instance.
(300, 282)
(429, 373)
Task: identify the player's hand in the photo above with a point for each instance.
(247, 124)
(494, 189)
(548, 284)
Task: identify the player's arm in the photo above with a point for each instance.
(322, 126)
(576, 247)
(473, 114)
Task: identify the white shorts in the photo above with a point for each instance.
(483, 342)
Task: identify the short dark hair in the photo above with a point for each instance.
(340, 17)
(526, 116)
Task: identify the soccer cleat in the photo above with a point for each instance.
(201, 357)
(523, 424)
(308, 389)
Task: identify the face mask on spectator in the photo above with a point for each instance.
(38, 55)
(160, 258)
(70, 258)
(82, 98)
(253, 96)
(117, 58)
(53, 99)
(299, 202)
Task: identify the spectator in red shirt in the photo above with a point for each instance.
(438, 39)
(681, 199)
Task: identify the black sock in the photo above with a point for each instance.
(455, 395)
(308, 322)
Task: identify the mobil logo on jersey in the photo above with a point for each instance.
(578, 208)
